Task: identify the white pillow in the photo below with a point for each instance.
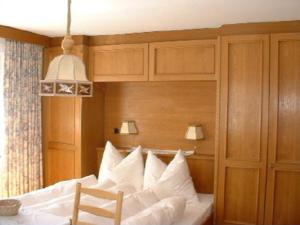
(110, 159)
(165, 212)
(175, 180)
(117, 170)
(130, 170)
(154, 168)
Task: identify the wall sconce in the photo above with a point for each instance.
(128, 127)
(194, 132)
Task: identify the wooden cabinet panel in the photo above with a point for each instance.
(60, 165)
(241, 198)
(183, 60)
(283, 196)
(288, 141)
(60, 142)
(286, 197)
(119, 62)
(62, 120)
(244, 89)
(245, 98)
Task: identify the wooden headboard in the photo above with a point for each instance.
(162, 112)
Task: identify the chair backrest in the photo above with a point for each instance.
(118, 197)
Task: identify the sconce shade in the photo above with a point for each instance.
(194, 132)
(66, 77)
(128, 127)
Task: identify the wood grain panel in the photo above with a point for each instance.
(60, 139)
(119, 62)
(92, 130)
(62, 120)
(283, 156)
(286, 200)
(241, 198)
(162, 111)
(245, 79)
(183, 60)
(61, 165)
(243, 129)
(288, 131)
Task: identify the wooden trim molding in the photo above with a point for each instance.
(183, 35)
(156, 36)
(78, 40)
(260, 28)
(196, 34)
(26, 36)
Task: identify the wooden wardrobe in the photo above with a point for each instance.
(259, 142)
(283, 181)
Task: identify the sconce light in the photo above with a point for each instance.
(128, 127)
(194, 132)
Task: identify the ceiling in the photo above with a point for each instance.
(101, 17)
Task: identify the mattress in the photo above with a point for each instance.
(197, 212)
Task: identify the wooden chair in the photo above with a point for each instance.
(96, 210)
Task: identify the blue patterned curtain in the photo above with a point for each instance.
(22, 113)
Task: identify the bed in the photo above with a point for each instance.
(54, 205)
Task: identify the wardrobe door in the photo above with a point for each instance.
(244, 87)
(283, 196)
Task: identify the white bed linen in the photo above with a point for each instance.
(51, 205)
(55, 191)
(197, 212)
(34, 219)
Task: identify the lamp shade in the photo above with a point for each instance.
(128, 127)
(66, 74)
(66, 77)
(194, 132)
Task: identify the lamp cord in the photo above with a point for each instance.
(69, 17)
(67, 42)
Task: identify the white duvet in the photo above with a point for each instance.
(54, 206)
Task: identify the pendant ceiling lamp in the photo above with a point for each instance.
(66, 74)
